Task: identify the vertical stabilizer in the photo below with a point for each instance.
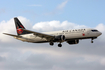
(19, 27)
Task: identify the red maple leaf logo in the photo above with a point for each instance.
(20, 31)
(83, 34)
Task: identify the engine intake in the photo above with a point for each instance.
(60, 38)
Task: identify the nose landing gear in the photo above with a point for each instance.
(92, 40)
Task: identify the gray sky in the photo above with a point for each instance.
(52, 15)
(18, 55)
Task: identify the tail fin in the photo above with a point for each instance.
(19, 27)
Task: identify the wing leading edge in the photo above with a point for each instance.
(42, 35)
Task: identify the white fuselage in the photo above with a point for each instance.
(69, 35)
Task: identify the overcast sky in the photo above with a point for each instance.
(52, 15)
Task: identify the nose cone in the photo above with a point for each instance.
(100, 33)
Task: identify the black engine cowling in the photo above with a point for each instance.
(60, 38)
(73, 42)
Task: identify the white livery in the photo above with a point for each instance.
(70, 36)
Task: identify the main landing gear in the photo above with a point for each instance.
(52, 43)
(60, 45)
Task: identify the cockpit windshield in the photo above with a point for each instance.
(94, 30)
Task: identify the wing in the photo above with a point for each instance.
(42, 35)
(11, 35)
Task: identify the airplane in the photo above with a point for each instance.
(70, 36)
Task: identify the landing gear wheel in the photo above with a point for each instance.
(51, 43)
(59, 45)
(91, 41)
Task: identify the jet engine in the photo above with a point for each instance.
(73, 42)
(60, 38)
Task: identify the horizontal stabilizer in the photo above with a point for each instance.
(11, 35)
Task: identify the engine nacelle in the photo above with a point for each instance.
(73, 42)
(60, 38)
